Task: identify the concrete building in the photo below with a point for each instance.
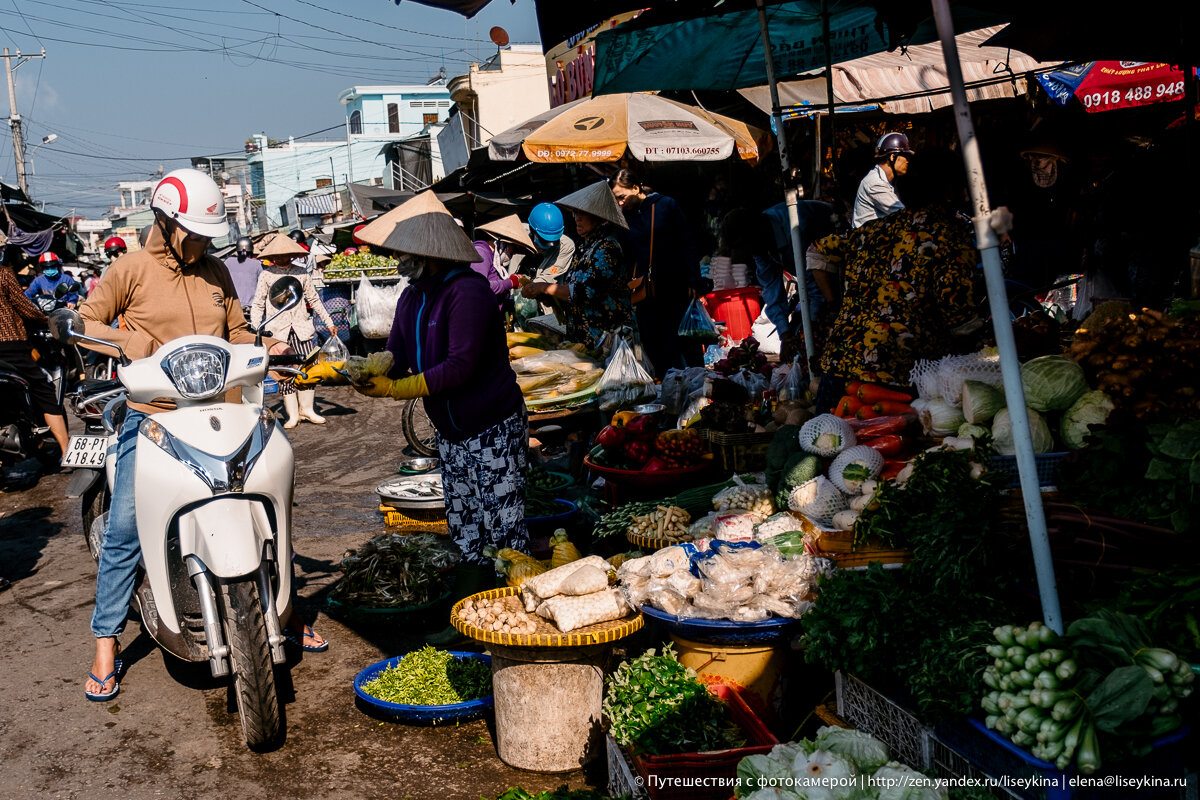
(505, 90)
(376, 117)
(232, 174)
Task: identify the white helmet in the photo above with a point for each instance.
(192, 199)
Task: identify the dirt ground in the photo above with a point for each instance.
(173, 731)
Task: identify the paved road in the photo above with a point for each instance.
(173, 732)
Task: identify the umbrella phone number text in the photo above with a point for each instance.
(863, 782)
(1138, 94)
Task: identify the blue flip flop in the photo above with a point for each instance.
(97, 697)
(299, 640)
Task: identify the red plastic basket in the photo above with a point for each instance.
(737, 308)
(673, 777)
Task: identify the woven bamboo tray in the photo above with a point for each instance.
(652, 543)
(429, 521)
(547, 635)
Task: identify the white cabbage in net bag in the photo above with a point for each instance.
(826, 435)
(817, 499)
(854, 466)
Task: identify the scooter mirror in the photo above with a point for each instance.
(286, 293)
(65, 323)
(65, 288)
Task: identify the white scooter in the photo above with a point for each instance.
(213, 496)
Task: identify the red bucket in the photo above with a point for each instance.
(737, 308)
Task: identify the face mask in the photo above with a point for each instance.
(411, 267)
(1045, 171)
(51, 273)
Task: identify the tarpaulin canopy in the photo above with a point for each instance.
(913, 81)
(1106, 85)
(648, 127)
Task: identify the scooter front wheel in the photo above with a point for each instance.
(254, 672)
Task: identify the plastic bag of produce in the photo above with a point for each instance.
(667, 600)
(550, 583)
(753, 497)
(624, 382)
(697, 326)
(376, 307)
(570, 613)
(703, 527)
(735, 525)
(775, 525)
(668, 560)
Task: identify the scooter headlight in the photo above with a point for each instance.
(198, 372)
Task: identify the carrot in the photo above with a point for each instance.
(853, 406)
(872, 393)
(840, 411)
(888, 446)
(891, 407)
(852, 387)
(865, 413)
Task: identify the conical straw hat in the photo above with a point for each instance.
(422, 227)
(597, 200)
(510, 228)
(283, 248)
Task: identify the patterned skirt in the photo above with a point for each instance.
(302, 347)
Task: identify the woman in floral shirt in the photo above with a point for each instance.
(909, 282)
(595, 289)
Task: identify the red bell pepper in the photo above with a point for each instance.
(638, 453)
(610, 438)
(655, 464)
(641, 427)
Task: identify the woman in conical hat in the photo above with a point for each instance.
(283, 256)
(449, 348)
(502, 244)
(595, 289)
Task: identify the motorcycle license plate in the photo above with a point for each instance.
(86, 451)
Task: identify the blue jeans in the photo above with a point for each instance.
(774, 294)
(120, 550)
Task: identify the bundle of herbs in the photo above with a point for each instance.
(395, 571)
(430, 677)
(924, 626)
(656, 705)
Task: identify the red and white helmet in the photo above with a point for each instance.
(48, 259)
(114, 246)
(192, 199)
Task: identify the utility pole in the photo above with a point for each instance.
(14, 119)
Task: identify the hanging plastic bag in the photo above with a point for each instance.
(376, 307)
(334, 349)
(625, 382)
(697, 326)
(795, 387)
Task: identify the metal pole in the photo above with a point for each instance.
(791, 192)
(828, 69)
(988, 243)
(349, 151)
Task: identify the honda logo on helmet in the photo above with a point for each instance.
(211, 209)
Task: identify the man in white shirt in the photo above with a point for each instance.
(877, 196)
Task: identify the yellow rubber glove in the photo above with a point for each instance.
(400, 389)
(321, 373)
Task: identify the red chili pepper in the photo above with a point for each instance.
(888, 446)
(879, 427)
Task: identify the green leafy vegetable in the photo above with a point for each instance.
(394, 571)
(431, 677)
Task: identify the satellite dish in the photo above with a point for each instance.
(499, 36)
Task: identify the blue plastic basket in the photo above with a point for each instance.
(719, 631)
(997, 757)
(422, 714)
(270, 385)
(1047, 469)
(553, 520)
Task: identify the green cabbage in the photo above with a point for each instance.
(865, 751)
(1090, 409)
(1052, 383)
(969, 431)
(1002, 434)
(981, 401)
(905, 783)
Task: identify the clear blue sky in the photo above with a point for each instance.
(162, 81)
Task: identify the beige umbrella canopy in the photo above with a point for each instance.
(649, 127)
(510, 228)
(597, 200)
(421, 227)
(281, 247)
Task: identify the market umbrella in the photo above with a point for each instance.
(1106, 85)
(648, 127)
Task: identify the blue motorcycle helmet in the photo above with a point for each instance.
(546, 225)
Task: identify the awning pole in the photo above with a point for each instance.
(791, 189)
(828, 73)
(993, 269)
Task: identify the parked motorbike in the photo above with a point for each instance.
(213, 499)
(23, 430)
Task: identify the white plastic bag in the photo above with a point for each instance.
(697, 326)
(625, 382)
(376, 307)
(768, 337)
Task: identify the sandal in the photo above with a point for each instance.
(298, 639)
(100, 697)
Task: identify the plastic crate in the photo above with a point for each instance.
(869, 710)
(717, 767)
(270, 386)
(739, 452)
(1047, 469)
(985, 754)
(622, 780)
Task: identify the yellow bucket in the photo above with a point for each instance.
(756, 669)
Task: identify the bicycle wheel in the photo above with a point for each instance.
(418, 430)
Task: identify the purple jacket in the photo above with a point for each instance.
(449, 328)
